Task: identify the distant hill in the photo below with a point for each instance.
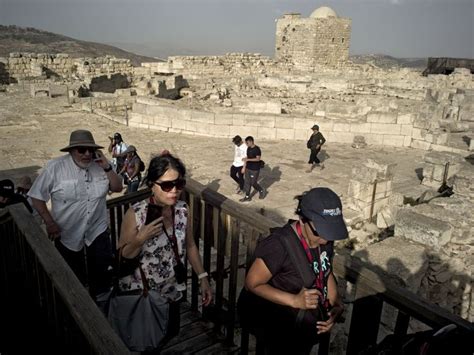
(28, 39)
(386, 61)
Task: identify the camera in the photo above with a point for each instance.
(180, 273)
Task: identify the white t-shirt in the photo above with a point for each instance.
(240, 152)
(78, 199)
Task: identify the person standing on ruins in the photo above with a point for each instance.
(251, 170)
(117, 147)
(77, 185)
(315, 143)
(236, 168)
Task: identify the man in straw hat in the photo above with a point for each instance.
(77, 185)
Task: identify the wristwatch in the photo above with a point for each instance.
(108, 168)
(203, 275)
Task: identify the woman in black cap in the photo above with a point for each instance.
(293, 298)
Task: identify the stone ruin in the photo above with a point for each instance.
(280, 98)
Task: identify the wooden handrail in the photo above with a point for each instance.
(87, 316)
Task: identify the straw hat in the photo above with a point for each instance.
(81, 138)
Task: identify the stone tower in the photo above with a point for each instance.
(323, 38)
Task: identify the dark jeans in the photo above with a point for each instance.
(251, 179)
(92, 266)
(313, 158)
(236, 174)
(132, 186)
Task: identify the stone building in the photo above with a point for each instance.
(323, 38)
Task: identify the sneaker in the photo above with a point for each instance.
(245, 199)
(322, 166)
(262, 194)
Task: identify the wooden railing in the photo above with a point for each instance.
(227, 235)
(34, 277)
(229, 230)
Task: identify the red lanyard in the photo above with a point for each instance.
(313, 259)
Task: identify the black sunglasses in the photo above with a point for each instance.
(167, 186)
(83, 150)
(308, 222)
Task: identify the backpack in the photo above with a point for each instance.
(141, 164)
(251, 307)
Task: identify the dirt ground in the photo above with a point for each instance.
(32, 131)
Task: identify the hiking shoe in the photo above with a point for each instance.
(262, 194)
(245, 199)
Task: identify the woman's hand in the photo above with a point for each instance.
(334, 313)
(150, 230)
(206, 292)
(307, 299)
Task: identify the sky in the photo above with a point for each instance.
(400, 28)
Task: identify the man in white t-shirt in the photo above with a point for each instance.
(236, 168)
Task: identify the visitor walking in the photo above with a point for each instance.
(315, 143)
(251, 169)
(240, 152)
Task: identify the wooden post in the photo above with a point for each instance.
(372, 202)
(90, 100)
(126, 114)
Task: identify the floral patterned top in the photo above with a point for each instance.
(157, 257)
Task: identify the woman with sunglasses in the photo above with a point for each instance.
(155, 232)
(290, 293)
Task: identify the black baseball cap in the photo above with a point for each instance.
(7, 188)
(323, 207)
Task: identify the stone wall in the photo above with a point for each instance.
(26, 65)
(379, 128)
(306, 42)
(210, 66)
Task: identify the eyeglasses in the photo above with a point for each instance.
(83, 150)
(167, 186)
(308, 222)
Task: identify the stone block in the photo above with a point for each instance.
(177, 123)
(324, 126)
(407, 141)
(285, 133)
(405, 262)
(158, 128)
(223, 119)
(418, 133)
(202, 116)
(302, 134)
(422, 229)
(135, 118)
(245, 131)
(382, 117)
(161, 121)
(360, 190)
(406, 130)
(284, 122)
(220, 130)
(340, 137)
(238, 119)
(385, 128)
(266, 133)
(406, 119)
(417, 144)
(341, 127)
(360, 127)
(305, 123)
(259, 121)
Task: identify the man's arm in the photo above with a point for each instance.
(51, 226)
(115, 181)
